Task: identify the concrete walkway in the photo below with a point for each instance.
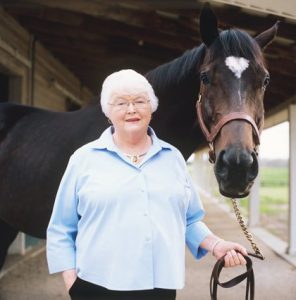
(27, 278)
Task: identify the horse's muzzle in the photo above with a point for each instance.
(236, 169)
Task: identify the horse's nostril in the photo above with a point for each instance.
(254, 167)
(236, 157)
(235, 163)
(221, 167)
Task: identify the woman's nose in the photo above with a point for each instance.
(130, 107)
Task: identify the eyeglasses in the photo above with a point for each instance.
(122, 104)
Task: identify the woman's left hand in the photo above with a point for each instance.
(232, 251)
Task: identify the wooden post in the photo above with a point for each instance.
(19, 245)
(292, 181)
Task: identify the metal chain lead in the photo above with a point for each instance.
(244, 228)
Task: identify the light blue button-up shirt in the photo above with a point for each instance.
(124, 226)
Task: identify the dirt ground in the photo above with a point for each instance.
(26, 278)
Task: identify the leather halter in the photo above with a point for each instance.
(212, 134)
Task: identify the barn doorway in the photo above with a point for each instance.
(10, 87)
(4, 87)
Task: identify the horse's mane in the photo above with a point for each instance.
(178, 69)
(234, 42)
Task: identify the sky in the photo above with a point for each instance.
(275, 142)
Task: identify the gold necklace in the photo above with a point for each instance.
(135, 158)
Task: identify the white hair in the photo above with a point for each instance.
(126, 82)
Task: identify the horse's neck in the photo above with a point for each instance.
(175, 75)
(90, 123)
(177, 85)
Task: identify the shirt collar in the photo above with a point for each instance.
(105, 141)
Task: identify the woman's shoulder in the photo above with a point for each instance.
(83, 151)
(174, 150)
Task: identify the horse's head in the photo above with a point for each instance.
(231, 112)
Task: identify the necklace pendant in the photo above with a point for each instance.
(135, 159)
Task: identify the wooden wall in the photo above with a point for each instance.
(36, 77)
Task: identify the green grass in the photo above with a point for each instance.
(273, 190)
(274, 177)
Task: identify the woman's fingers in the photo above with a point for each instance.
(241, 259)
(230, 261)
(226, 261)
(233, 258)
(242, 250)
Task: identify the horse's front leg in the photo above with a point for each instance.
(7, 236)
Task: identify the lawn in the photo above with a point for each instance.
(274, 195)
(273, 190)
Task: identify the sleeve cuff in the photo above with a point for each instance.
(195, 234)
(61, 260)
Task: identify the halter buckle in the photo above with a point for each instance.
(212, 155)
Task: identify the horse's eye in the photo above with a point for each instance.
(266, 81)
(258, 121)
(204, 78)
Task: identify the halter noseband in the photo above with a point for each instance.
(212, 134)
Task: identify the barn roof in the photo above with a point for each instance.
(96, 37)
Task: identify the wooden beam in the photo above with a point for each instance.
(106, 10)
(65, 92)
(14, 53)
(90, 51)
(109, 28)
(283, 66)
(230, 16)
(92, 7)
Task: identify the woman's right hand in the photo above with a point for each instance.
(69, 277)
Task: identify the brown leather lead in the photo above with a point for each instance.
(249, 275)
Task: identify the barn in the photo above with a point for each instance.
(54, 55)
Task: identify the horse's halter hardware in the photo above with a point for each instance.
(212, 134)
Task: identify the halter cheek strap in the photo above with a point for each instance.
(212, 134)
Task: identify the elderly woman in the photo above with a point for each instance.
(126, 206)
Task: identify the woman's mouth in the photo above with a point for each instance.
(133, 120)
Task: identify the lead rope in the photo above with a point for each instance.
(244, 228)
(248, 275)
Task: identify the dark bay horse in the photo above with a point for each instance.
(35, 144)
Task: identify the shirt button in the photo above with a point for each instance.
(146, 214)
(148, 239)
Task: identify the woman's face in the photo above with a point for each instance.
(130, 113)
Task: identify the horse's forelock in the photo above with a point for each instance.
(234, 42)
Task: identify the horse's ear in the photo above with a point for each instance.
(265, 38)
(208, 25)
